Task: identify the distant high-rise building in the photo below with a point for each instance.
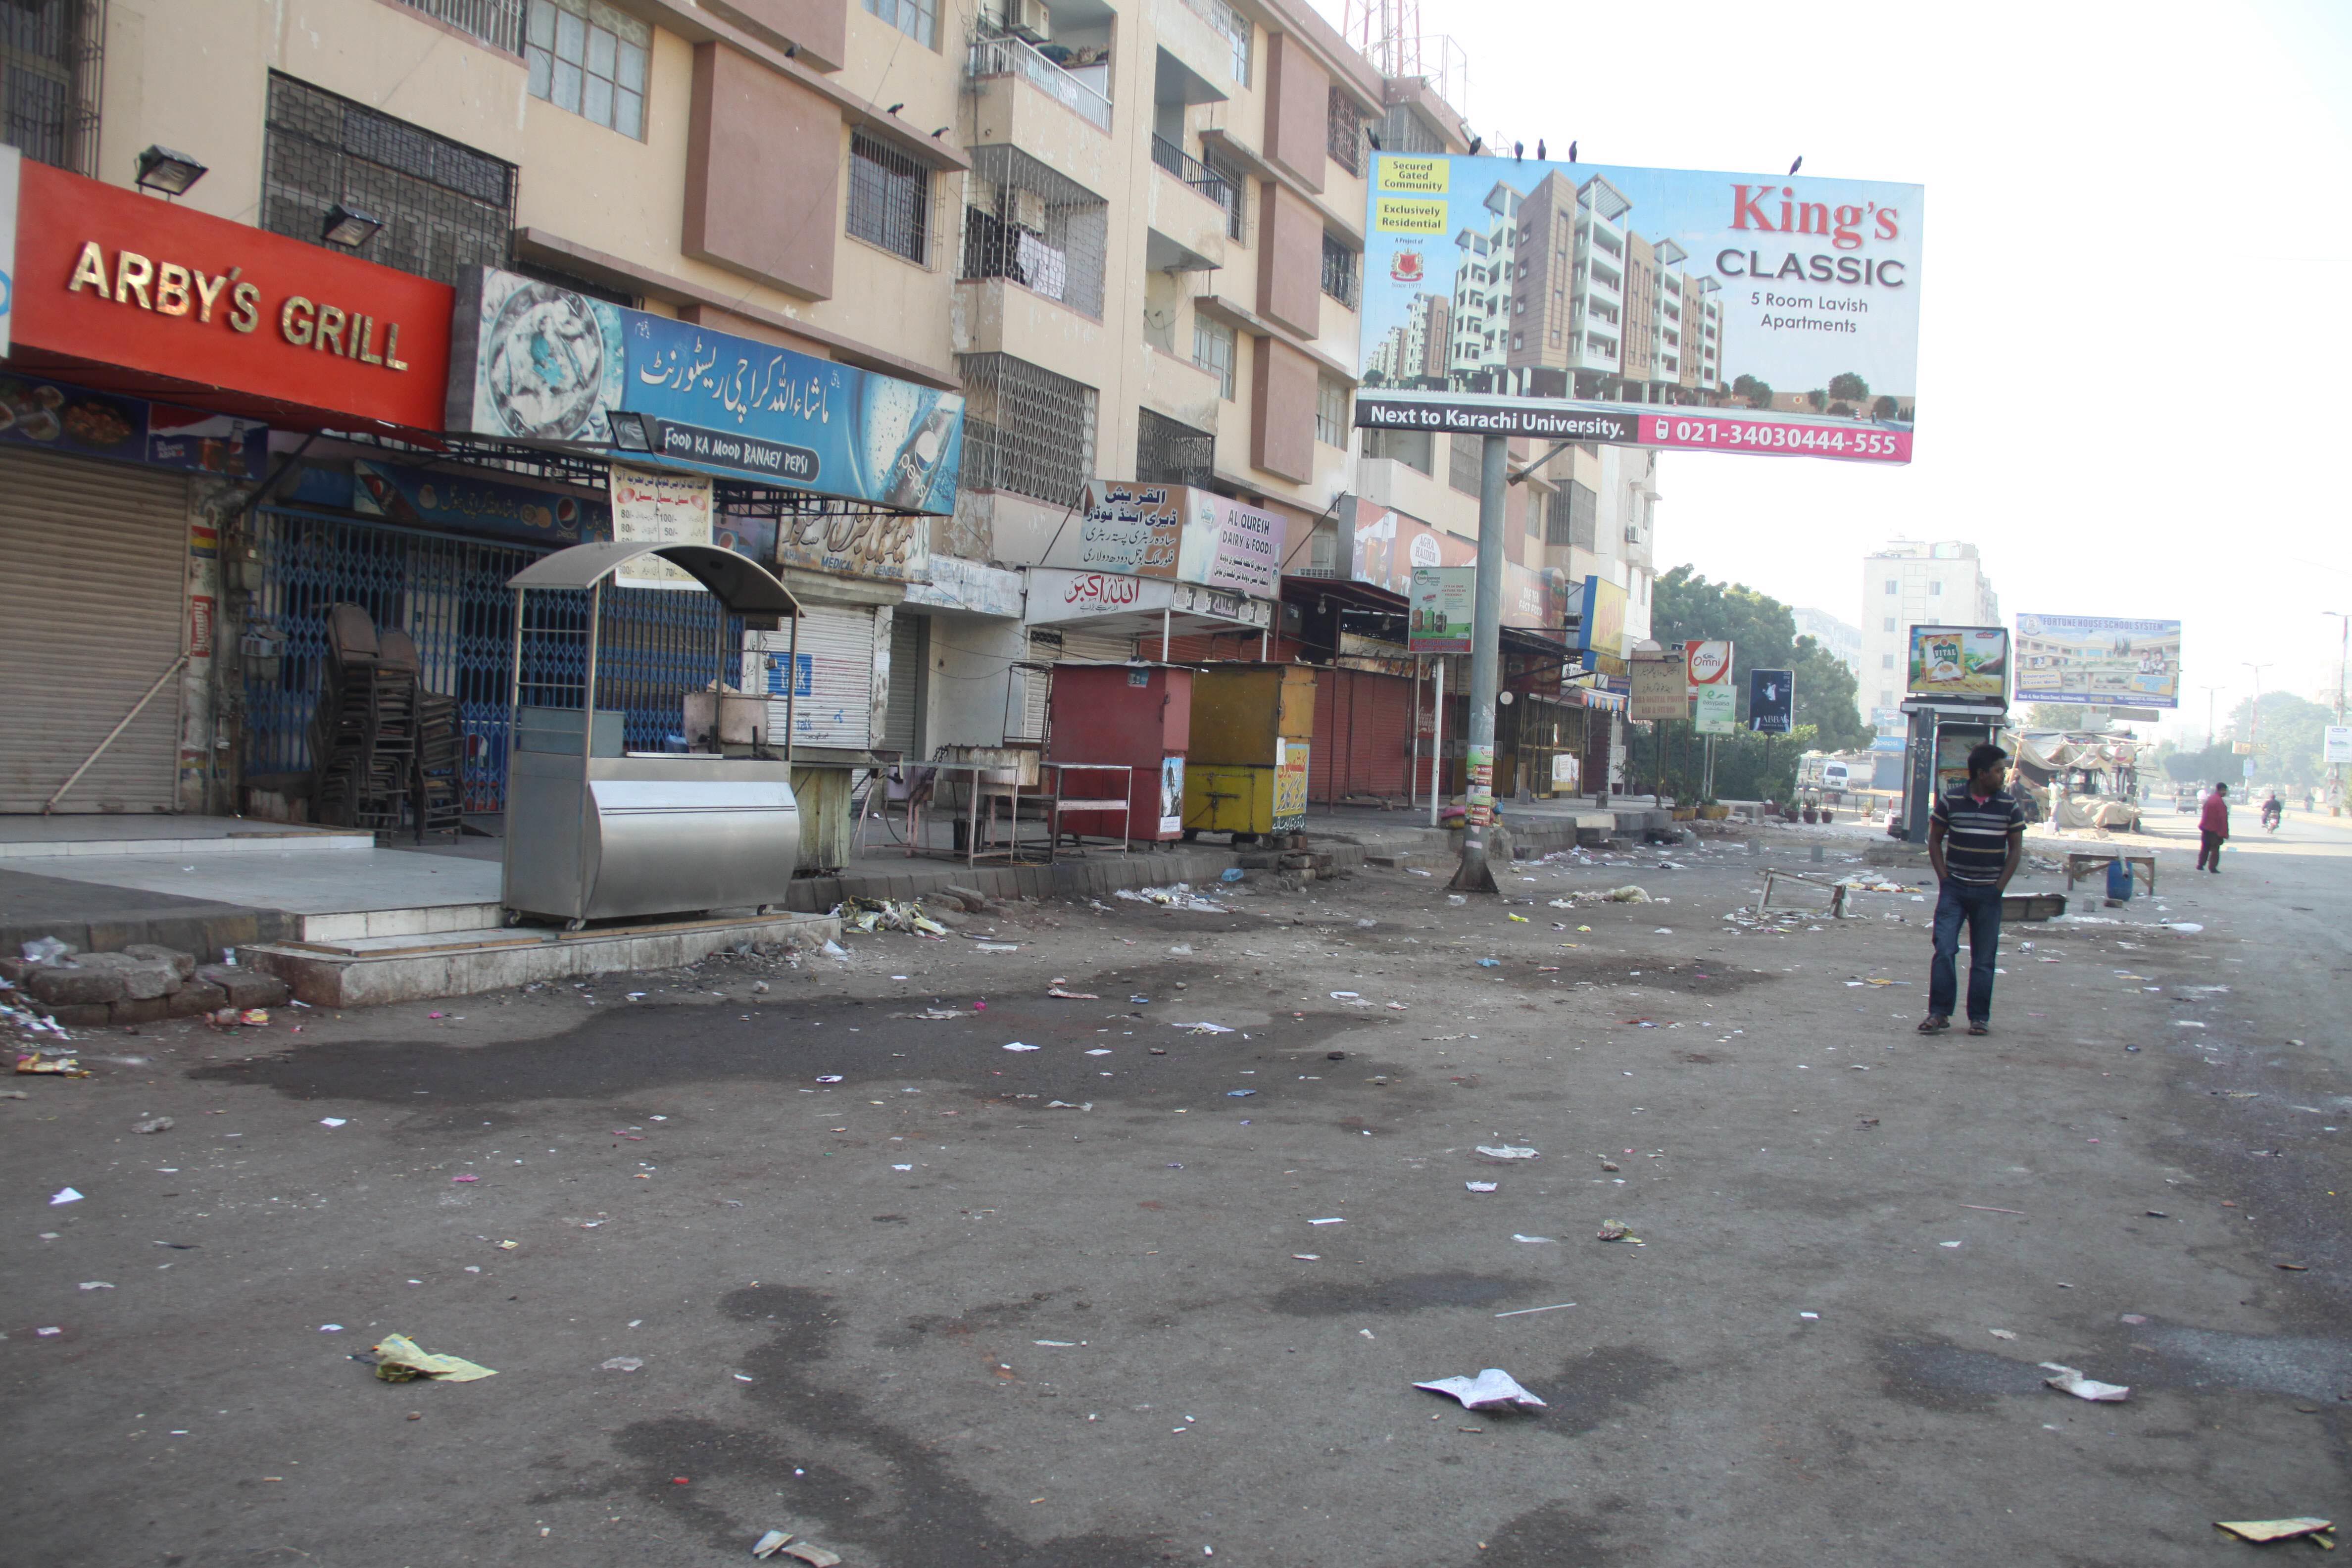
(1914, 582)
(1845, 642)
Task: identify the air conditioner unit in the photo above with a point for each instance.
(1030, 19)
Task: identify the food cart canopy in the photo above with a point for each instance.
(738, 582)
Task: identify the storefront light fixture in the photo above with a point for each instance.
(348, 228)
(170, 172)
(629, 433)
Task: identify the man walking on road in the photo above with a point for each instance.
(1975, 839)
(2212, 826)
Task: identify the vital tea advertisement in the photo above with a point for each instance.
(1653, 307)
(1959, 661)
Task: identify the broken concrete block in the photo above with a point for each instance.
(182, 964)
(973, 898)
(196, 998)
(83, 985)
(146, 1010)
(246, 987)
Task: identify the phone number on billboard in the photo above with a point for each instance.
(1829, 441)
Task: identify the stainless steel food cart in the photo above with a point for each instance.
(595, 831)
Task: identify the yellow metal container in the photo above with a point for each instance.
(1253, 725)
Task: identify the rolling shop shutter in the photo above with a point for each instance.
(902, 723)
(91, 599)
(1361, 735)
(834, 692)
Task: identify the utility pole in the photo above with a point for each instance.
(2210, 736)
(2343, 656)
(1474, 875)
(2254, 728)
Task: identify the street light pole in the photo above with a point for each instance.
(1474, 875)
(2343, 656)
(2254, 726)
(2210, 736)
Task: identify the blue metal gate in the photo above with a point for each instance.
(450, 594)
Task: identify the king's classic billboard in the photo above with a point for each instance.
(1647, 307)
(533, 362)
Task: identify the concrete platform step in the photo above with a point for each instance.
(368, 970)
(19, 850)
(425, 919)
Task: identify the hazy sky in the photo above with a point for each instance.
(2135, 370)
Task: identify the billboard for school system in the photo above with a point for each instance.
(2097, 660)
(1642, 307)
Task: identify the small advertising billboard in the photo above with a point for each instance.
(1709, 664)
(1661, 687)
(1716, 710)
(1757, 313)
(1971, 662)
(2337, 747)
(1597, 626)
(1771, 700)
(1442, 607)
(2098, 660)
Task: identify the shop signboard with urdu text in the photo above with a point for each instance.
(652, 507)
(1969, 662)
(1774, 314)
(530, 361)
(2098, 660)
(1442, 603)
(1661, 687)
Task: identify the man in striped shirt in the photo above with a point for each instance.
(1975, 839)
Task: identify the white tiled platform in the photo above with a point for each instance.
(48, 837)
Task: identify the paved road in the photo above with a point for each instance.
(1064, 1309)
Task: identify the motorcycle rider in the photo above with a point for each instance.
(2273, 810)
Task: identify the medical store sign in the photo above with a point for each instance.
(121, 279)
(534, 362)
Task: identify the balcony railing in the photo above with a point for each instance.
(1002, 54)
(1193, 172)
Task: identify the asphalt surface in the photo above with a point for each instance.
(927, 1317)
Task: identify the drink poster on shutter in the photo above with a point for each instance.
(654, 508)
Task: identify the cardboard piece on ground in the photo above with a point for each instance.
(398, 1352)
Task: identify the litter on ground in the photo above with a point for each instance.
(2066, 1380)
(1493, 1389)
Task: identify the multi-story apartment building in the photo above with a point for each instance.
(1842, 638)
(1129, 234)
(1914, 582)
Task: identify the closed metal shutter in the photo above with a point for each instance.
(1363, 734)
(902, 719)
(1098, 647)
(91, 598)
(840, 667)
(1045, 648)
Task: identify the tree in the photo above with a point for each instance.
(1818, 398)
(1843, 410)
(1885, 407)
(1848, 387)
(2290, 742)
(2059, 716)
(1758, 395)
(1763, 632)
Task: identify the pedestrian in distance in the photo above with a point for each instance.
(1975, 836)
(2212, 828)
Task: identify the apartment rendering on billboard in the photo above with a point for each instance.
(1731, 312)
(2096, 661)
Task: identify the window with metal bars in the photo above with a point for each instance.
(1213, 349)
(444, 207)
(1029, 223)
(1416, 449)
(1026, 428)
(1402, 130)
(1344, 133)
(1167, 453)
(1235, 182)
(1462, 468)
(889, 199)
(51, 56)
(1341, 271)
(498, 23)
(1331, 411)
(588, 57)
(1236, 30)
(1575, 517)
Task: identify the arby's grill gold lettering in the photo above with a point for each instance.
(168, 289)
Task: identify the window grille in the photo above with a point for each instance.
(1402, 130)
(1344, 133)
(919, 19)
(1235, 197)
(590, 58)
(1341, 271)
(498, 23)
(1462, 469)
(1166, 453)
(1212, 350)
(1031, 225)
(445, 206)
(1575, 517)
(1026, 428)
(1331, 411)
(1415, 450)
(889, 199)
(1193, 172)
(52, 54)
(1235, 28)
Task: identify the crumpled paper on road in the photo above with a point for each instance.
(1493, 1389)
(398, 1359)
(2066, 1380)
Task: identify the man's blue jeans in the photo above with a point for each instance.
(1979, 905)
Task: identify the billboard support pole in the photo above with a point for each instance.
(1474, 875)
(1436, 738)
